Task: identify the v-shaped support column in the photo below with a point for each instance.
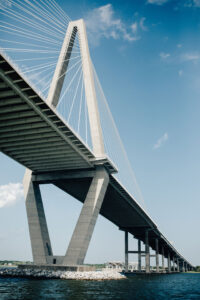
(40, 241)
(81, 237)
(79, 243)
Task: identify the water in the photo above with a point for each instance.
(169, 286)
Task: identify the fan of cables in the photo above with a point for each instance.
(31, 34)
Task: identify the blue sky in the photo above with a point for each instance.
(147, 57)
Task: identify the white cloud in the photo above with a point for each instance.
(190, 57)
(157, 2)
(196, 3)
(134, 27)
(142, 26)
(179, 45)
(10, 194)
(193, 3)
(161, 141)
(101, 22)
(164, 55)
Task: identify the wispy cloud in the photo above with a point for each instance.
(164, 55)
(196, 3)
(142, 25)
(134, 27)
(101, 22)
(192, 3)
(162, 140)
(10, 194)
(195, 56)
(157, 2)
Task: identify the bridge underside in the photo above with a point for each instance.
(34, 135)
(118, 207)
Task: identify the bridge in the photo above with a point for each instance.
(34, 134)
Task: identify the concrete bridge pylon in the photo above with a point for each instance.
(40, 240)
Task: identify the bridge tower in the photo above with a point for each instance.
(40, 240)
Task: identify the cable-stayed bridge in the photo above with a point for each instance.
(53, 122)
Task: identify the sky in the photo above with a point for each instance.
(146, 54)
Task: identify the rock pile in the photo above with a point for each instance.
(42, 273)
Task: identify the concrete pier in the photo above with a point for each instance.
(169, 262)
(126, 251)
(147, 255)
(39, 235)
(157, 256)
(139, 256)
(163, 259)
(178, 266)
(174, 269)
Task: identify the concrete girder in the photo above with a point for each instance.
(67, 164)
(22, 121)
(18, 115)
(53, 160)
(8, 102)
(8, 93)
(43, 158)
(23, 127)
(16, 108)
(3, 85)
(26, 132)
(57, 162)
(46, 142)
(56, 176)
(44, 149)
(44, 153)
(60, 168)
(38, 137)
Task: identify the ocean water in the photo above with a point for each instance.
(166, 286)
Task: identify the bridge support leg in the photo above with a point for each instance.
(174, 264)
(147, 254)
(82, 234)
(157, 256)
(178, 268)
(163, 260)
(126, 251)
(183, 267)
(139, 257)
(40, 241)
(169, 263)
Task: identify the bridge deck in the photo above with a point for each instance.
(34, 135)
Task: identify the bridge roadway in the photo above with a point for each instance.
(34, 135)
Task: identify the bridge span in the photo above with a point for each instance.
(36, 136)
